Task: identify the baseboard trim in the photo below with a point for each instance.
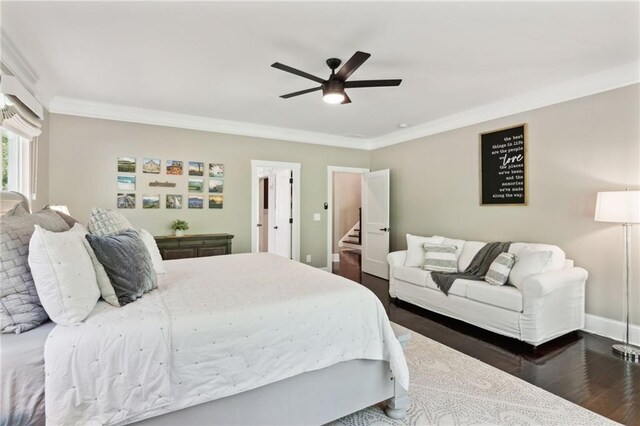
(324, 268)
(611, 328)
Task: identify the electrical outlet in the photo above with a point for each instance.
(316, 217)
(308, 258)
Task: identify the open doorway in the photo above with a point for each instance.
(275, 204)
(344, 240)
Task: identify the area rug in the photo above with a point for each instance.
(451, 388)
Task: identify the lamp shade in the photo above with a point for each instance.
(618, 207)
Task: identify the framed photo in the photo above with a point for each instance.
(174, 201)
(151, 165)
(151, 201)
(126, 201)
(196, 168)
(216, 170)
(126, 164)
(174, 167)
(196, 185)
(216, 186)
(216, 201)
(126, 183)
(196, 202)
(503, 167)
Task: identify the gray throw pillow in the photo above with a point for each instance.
(69, 220)
(107, 222)
(20, 308)
(127, 262)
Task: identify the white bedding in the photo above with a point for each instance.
(224, 325)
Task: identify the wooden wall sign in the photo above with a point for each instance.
(503, 166)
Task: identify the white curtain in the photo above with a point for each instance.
(20, 120)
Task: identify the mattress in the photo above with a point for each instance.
(22, 372)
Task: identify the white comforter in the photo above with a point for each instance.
(216, 326)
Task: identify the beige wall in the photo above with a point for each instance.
(83, 156)
(42, 184)
(346, 202)
(575, 149)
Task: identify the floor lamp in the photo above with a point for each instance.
(621, 207)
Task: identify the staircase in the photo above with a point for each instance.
(351, 239)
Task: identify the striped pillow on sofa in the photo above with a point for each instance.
(500, 269)
(440, 258)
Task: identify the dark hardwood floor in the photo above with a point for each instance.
(579, 367)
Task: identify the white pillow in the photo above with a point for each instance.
(63, 275)
(104, 283)
(529, 263)
(415, 248)
(152, 247)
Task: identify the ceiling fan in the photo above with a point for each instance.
(333, 88)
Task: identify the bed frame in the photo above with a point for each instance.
(315, 398)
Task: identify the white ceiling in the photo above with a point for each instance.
(212, 59)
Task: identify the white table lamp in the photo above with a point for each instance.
(621, 207)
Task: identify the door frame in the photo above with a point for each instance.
(330, 171)
(255, 203)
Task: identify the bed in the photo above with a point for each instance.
(237, 339)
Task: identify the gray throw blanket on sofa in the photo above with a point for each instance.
(476, 270)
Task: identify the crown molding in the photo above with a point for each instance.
(68, 106)
(21, 69)
(589, 85)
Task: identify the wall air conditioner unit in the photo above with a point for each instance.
(16, 92)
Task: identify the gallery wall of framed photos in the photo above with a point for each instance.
(154, 183)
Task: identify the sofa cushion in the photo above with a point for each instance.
(529, 263)
(505, 297)
(415, 249)
(459, 287)
(558, 256)
(469, 250)
(411, 275)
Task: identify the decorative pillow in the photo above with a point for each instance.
(154, 252)
(107, 222)
(498, 272)
(20, 308)
(529, 263)
(17, 210)
(415, 248)
(69, 220)
(127, 263)
(440, 258)
(106, 289)
(63, 275)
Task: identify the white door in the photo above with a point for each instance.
(375, 226)
(282, 222)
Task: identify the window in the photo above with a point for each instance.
(15, 163)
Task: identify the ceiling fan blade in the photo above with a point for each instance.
(301, 92)
(347, 100)
(372, 83)
(351, 65)
(299, 73)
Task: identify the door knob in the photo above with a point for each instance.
(259, 224)
(385, 229)
(275, 227)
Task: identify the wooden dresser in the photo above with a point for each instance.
(199, 245)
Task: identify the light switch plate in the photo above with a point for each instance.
(316, 217)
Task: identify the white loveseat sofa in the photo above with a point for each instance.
(548, 304)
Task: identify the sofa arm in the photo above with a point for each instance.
(394, 259)
(542, 284)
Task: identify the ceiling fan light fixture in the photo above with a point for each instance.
(333, 92)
